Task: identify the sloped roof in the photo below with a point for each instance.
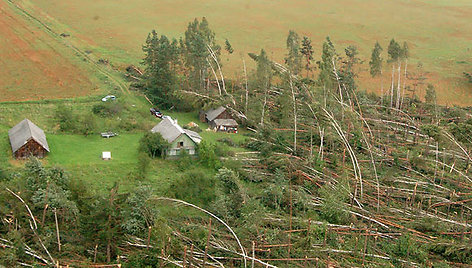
(24, 131)
(170, 130)
(193, 135)
(225, 122)
(214, 113)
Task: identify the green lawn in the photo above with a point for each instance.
(81, 157)
(67, 150)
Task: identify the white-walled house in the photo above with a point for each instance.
(179, 138)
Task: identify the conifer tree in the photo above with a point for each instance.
(376, 60)
(198, 43)
(263, 79)
(160, 60)
(307, 52)
(347, 74)
(293, 59)
(394, 52)
(326, 66)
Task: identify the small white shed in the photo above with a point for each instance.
(106, 155)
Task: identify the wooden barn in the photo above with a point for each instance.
(27, 139)
(218, 113)
(220, 119)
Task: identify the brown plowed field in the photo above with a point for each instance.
(33, 64)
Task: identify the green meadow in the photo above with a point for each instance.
(438, 32)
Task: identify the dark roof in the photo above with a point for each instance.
(170, 130)
(24, 131)
(214, 113)
(225, 122)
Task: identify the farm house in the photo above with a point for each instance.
(178, 138)
(27, 140)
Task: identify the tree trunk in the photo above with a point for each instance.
(216, 77)
(391, 88)
(381, 88)
(404, 83)
(398, 85)
(294, 101)
(247, 90)
(57, 231)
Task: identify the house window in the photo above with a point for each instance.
(180, 144)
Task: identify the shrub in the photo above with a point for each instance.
(194, 186)
(66, 118)
(88, 125)
(153, 144)
(232, 197)
(206, 152)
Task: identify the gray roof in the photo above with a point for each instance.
(170, 130)
(214, 113)
(225, 122)
(193, 135)
(24, 131)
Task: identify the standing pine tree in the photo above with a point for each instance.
(293, 59)
(347, 73)
(199, 46)
(394, 52)
(326, 65)
(375, 64)
(307, 52)
(160, 60)
(263, 80)
(376, 60)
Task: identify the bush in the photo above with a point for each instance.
(206, 152)
(231, 198)
(88, 125)
(153, 144)
(66, 118)
(194, 186)
(142, 166)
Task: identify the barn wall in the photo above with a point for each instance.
(31, 148)
(224, 115)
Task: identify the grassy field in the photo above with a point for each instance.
(34, 65)
(80, 155)
(439, 31)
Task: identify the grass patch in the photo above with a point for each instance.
(67, 150)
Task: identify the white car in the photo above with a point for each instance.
(108, 97)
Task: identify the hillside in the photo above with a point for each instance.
(438, 32)
(278, 166)
(35, 65)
